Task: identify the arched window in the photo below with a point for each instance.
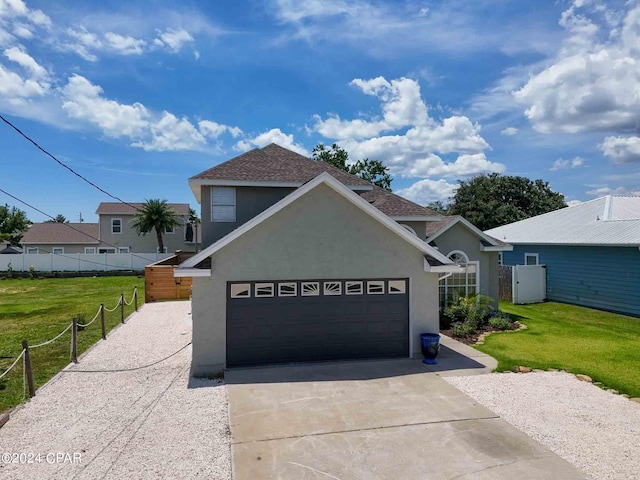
(463, 284)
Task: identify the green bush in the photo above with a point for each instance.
(475, 309)
(462, 329)
(500, 323)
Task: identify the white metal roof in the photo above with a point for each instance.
(610, 220)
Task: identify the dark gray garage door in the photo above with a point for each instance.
(312, 320)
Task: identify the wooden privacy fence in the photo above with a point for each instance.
(160, 284)
(505, 285)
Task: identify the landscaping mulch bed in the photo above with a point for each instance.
(474, 337)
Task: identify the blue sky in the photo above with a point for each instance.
(139, 96)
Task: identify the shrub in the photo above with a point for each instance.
(10, 270)
(475, 310)
(462, 329)
(500, 322)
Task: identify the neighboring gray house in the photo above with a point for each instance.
(113, 234)
(302, 261)
(59, 238)
(591, 252)
(115, 229)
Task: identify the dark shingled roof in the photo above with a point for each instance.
(395, 206)
(53, 232)
(277, 164)
(274, 163)
(116, 208)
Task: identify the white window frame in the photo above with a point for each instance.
(234, 205)
(106, 250)
(60, 250)
(476, 265)
(536, 255)
(90, 250)
(30, 251)
(124, 250)
(112, 225)
(170, 232)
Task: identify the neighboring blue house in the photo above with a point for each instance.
(591, 251)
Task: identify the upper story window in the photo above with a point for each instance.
(170, 230)
(116, 225)
(223, 204)
(57, 250)
(531, 259)
(32, 250)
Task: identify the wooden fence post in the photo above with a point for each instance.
(27, 366)
(104, 332)
(74, 340)
(122, 307)
(135, 298)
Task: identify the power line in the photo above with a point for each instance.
(62, 164)
(66, 224)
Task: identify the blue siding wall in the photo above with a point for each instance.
(607, 278)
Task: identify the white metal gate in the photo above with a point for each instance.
(529, 283)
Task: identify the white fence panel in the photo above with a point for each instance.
(80, 262)
(529, 284)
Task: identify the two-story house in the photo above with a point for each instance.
(112, 234)
(303, 261)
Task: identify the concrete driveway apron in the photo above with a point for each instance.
(390, 419)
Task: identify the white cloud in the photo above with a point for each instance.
(26, 61)
(15, 88)
(427, 191)
(16, 19)
(509, 131)
(275, 135)
(173, 39)
(573, 203)
(124, 44)
(563, 164)
(392, 29)
(214, 130)
(401, 104)
(415, 141)
(600, 191)
(172, 134)
(593, 83)
(85, 102)
(622, 149)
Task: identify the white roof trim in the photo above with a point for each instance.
(338, 187)
(450, 268)
(196, 183)
(191, 272)
(415, 219)
(467, 224)
(494, 248)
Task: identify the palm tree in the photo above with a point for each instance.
(155, 214)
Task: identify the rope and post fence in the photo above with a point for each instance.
(74, 326)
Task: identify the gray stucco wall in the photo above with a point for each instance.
(419, 227)
(459, 237)
(323, 236)
(250, 201)
(141, 243)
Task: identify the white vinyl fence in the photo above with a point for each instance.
(80, 262)
(529, 284)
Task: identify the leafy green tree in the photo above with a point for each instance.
(492, 200)
(372, 171)
(155, 214)
(438, 206)
(13, 223)
(59, 219)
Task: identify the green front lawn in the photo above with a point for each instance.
(605, 346)
(37, 310)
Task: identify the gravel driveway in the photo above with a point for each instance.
(149, 423)
(597, 431)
